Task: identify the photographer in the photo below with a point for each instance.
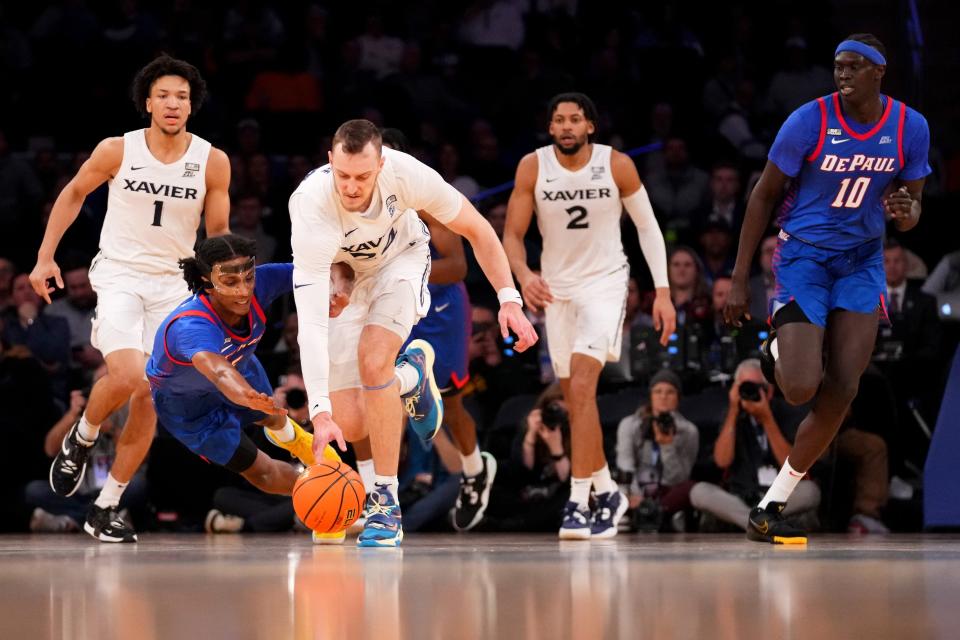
(750, 450)
(656, 450)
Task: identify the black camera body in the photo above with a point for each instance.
(750, 391)
(648, 516)
(665, 423)
(554, 416)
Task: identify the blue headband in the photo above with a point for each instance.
(865, 50)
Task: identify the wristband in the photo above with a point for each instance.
(509, 294)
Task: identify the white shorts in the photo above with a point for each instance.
(394, 297)
(131, 305)
(590, 322)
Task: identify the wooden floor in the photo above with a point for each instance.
(479, 586)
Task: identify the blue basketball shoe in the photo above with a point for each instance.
(384, 526)
(423, 403)
(606, 516)
(576, 522)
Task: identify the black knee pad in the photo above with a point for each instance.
(245, 455)
(790, 312)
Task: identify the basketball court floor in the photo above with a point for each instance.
(479, 586)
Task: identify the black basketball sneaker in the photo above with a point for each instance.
(107, 525)
(768, 525)
(474, 495)
(66, 472)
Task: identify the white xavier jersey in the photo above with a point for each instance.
(323, 232)
(153, 209)
(578, 213)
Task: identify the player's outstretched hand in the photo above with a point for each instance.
(511, 316)
(536, 292)
(42, 272)
(262, 402)
(664, 316)
(738, 303)
(325, 431)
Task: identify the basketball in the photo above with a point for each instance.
(328, 497)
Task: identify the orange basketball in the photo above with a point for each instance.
(328, 496)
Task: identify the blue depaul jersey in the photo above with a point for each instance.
(842, 169)
(194, 327)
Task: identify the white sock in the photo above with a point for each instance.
(580, 490)
(288, 433)
(408, 377)
(390, 482)
(783, 486)
(111, 492)
(472, 463)
(87, 432)
(602, 482)
(367, 474)
(775, 350)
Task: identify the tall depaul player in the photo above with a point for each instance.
(447, 329)
(579, 190)
(851, 159)
(160, 179)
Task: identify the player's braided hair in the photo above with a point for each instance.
(196, 270)
(870, 40)
(165, 65)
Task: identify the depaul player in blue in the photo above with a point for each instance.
(206, 382)
(852, 160)
(447, 328)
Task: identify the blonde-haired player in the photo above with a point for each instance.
(160, 181)
(579, 191)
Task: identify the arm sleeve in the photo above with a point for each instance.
(651, 238)
(796, 139)
(314, 243)
(916, 152)
(191, 335)
(273, 280)
(423, 189)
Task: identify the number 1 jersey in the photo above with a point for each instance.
(841, 169)
(578, 214)
(153, 209)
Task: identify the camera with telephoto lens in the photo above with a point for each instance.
(648, 516)
(665, 423)
(296, 398)
(750, 391)
(554, 416)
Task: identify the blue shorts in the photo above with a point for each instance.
(447, 327)
(209, 424)
(821, 279)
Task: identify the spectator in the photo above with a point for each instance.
(797, 83)
(47, 337)
(688, 288)
(750, 450)
(716, 243)
(725, 204)
(54, 513)
(78, 308)
(493, 23)
(681, 190)
(7, 272)
(534, 484)
(867, 454)
(736, 126)
(380, 54)
(762, 284)
(285, 356)
(20, 197)
(448, 163)
(246, 220)
(944, 283)
(656, 450)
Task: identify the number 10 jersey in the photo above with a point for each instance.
(153, 209)
(578, 214)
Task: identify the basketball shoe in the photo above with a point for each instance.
(219, 522)
(576, 522)
(108, 525)
(66, 472)
(329, 538)
(768, 357)
(422, 403)
(301, 446)
(769, 525)
(384, 527)
(607, 514)
(474, 495)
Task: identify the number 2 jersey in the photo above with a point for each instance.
(578, 214)
(841, 169)
(153, 209)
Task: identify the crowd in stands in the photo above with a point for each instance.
(695, 431)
